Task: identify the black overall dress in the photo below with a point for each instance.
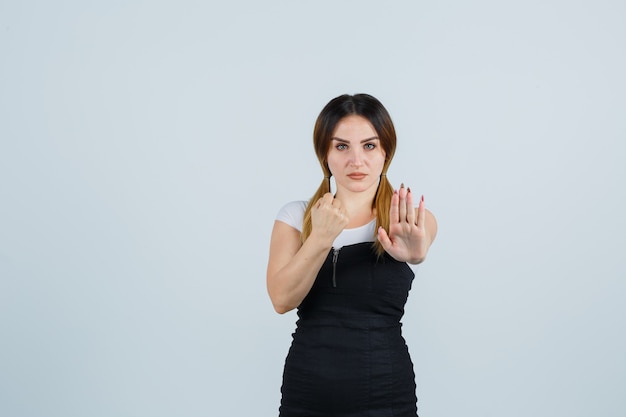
(348, 357)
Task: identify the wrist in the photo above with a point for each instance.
(321, 240)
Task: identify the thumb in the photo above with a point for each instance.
(383, 238)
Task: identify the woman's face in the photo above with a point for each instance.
(356, 157)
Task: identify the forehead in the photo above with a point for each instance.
(354, 127)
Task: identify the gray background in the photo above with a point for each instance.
(147, 146)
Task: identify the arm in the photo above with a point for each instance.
(411, 230)
(292, 266)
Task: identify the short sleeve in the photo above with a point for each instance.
(293, 214)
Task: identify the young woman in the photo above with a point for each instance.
(341, 260)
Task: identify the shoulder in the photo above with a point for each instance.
(292, 213)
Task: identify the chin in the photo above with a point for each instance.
(357, 188)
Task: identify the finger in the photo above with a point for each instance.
(402, 203)
(383, 238)
(421, 214)
(410, 208)
(394, 213)
(326, 200)
(339, 208)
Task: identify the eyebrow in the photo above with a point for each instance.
(363, 141)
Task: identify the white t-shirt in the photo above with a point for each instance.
(293, 215)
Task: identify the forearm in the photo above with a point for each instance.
(289, 285)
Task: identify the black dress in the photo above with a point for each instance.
(348, 357)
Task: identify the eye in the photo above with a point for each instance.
(341, 146)
(369, 146)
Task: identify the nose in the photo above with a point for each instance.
(356, 158)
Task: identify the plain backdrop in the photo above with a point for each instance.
(146, 147)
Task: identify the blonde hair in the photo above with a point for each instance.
(370, 108)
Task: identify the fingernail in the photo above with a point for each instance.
(422, 197)
(402, 185)
(408, 190)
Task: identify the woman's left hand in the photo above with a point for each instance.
(411, 230)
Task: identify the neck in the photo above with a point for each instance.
(358, 205)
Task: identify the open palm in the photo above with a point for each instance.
(407, 240)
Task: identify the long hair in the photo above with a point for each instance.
(371, 109)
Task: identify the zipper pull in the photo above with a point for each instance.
(335, 256)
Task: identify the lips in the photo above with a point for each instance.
(357, 176)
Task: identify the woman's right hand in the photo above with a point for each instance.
(328, 218)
